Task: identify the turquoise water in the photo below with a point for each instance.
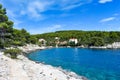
(95, 64)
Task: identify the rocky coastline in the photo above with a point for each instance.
(25, 69)
(115, 45)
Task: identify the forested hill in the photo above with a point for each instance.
(95, 38)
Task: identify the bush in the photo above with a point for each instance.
(17, 43)
(97, 41)
(12, 52)
(1, 44)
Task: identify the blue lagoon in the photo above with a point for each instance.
(95, 64)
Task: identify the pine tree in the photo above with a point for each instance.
(6, 28)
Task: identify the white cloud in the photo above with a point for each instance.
(51, 28)
(10, 13)
(72, 6)
(54, 27)
(37, 7)
(34, 8)
(13, 17)
(107, 19)
(22, 12)
(116, 14)
(104, 1)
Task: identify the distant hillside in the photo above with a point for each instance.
(89, 38)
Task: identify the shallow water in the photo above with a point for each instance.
(95, 64)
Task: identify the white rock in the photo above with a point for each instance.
(24, 69)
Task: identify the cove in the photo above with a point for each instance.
(95, 64)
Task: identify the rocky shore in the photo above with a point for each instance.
(25, 69)
(30, 48)
(115, 45)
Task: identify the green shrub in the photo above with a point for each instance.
(13, 52)
(17, 43)
(97, 41)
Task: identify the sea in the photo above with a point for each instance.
(94, 64)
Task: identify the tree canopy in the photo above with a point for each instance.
(6, 27)
(88, 38)
(10, 36)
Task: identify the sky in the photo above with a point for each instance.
(42, 16)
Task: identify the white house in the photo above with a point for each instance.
(57, 41)
(73, 40)
(43, 42)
